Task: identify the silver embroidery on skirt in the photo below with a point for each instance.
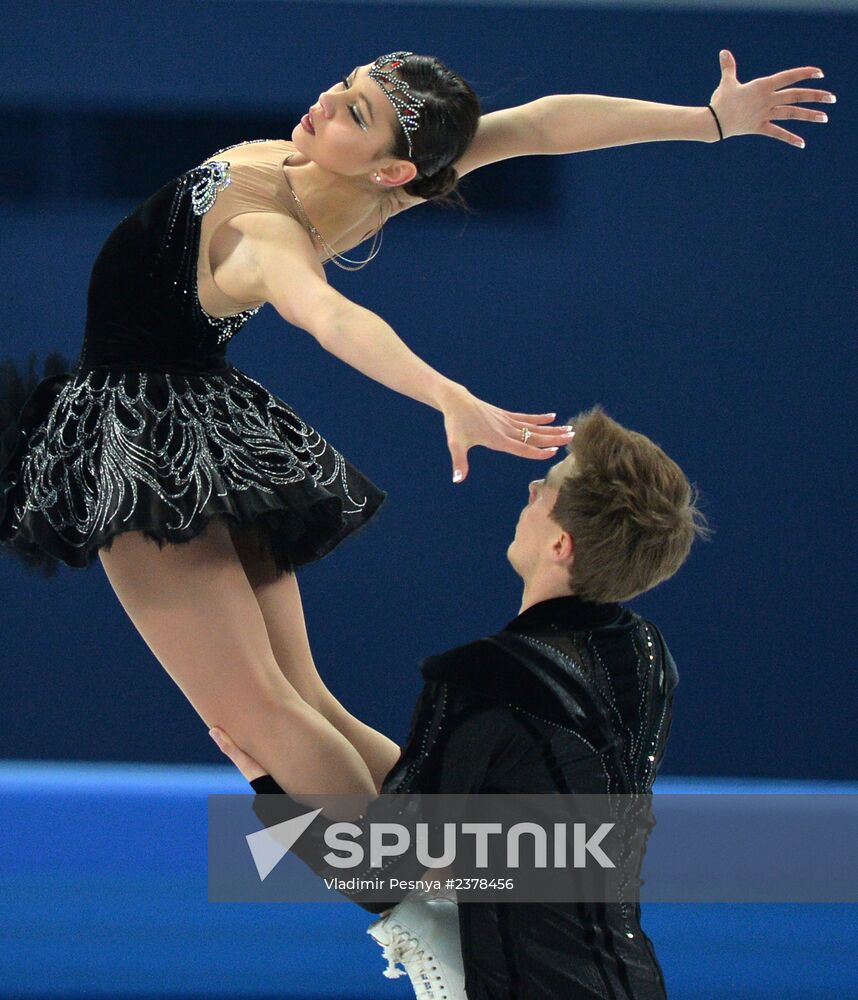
(213, 434)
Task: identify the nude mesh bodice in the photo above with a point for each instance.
(255, 184)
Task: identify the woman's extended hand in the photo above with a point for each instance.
(749, 108)
(469, 421)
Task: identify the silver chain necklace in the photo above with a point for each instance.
(329, 250)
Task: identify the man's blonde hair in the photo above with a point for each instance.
(629, 508)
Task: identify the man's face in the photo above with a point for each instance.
(536, 533)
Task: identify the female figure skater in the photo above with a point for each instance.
(200, 491)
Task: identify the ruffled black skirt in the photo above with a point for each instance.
(94, 452)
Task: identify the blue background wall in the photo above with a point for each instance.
(702, 293)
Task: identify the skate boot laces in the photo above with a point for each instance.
(421, 966)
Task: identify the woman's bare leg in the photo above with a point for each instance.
(279, 601)
(194, 607)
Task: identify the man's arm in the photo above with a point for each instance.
(273, 805)
(456, 737)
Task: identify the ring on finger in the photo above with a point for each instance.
(525, 434)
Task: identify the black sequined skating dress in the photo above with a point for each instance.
(153, 429)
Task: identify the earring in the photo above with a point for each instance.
(378, 177)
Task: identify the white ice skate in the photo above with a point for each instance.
(422, 935)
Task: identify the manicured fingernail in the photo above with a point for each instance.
(822, 118)
(214, 735)
(457, 476)
(830, 99)
(818, 74)
(800, 144)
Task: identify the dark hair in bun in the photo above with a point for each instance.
(448, 123)
(439, 185)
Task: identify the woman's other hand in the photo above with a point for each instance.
(469, 421)
(750, 108)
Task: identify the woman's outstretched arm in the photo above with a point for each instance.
(290, 277)
(572, 123)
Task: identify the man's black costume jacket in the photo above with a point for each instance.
(569, 697)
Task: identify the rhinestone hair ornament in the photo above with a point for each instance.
(405, 104)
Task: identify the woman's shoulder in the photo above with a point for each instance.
(272, 227)
(253, 198)
(261, 148)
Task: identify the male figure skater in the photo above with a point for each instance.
(573, 696)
